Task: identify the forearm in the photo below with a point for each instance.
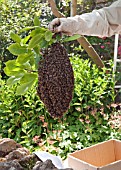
(103, 22)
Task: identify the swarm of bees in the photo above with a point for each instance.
(55, 80)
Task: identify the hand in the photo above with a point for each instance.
(60, 25)
(55, 25)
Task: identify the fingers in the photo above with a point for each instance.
(53, 26)
(58, 29)
(59, 25)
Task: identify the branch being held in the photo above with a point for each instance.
(55, 9)
(82, 40)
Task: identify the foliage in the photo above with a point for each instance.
(25, 119)
(19, 115)
(16, 15)
(90, 118)
(93, 87)
(23, 69)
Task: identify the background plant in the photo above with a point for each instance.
(92, 117)
(88, 121)
(29, 51)
(16, 15)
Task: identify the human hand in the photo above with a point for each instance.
(60, 25)
(54, 25)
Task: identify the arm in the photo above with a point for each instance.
(102, 22)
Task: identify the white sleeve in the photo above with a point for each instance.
(102, 22)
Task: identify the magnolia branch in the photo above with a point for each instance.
(82, 40)
(55, 9)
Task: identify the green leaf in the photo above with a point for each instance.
(27, 29)
(16, 72)
(28, 77)
(15, 37)
(37, 31)
(32, 61)
(26, 66)
(36, 21)
(23, 88)
(72, 38)
(17, 49)
(13, 68)
(48, 35)
(37, 59)
(35, 40)
(24, 41)
(43, 43)
(24, 58)
(57, 36)
(11, 64)
(37, 49)
(13, 80)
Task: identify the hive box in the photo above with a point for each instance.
(103, 156)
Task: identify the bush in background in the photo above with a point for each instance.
(16, 15)
(25, 119)
(90, 119)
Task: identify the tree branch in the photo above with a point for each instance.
(55, 9)
(82, 40)
(91, 51)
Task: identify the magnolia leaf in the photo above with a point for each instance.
(48, 35)
(43, 43)
(77, 104)
(28, 77)
(23, 88)
(37, 31)
(37, 49)
(36, 21)
(27, 29)
(37, 59)
(14, 72)
(13, 80)
(8, 72)
(11, 64)
(74, 37)
(25, 40)
(35, 40)
(32, 61)
(24, 58)
(12, 68)
(26, 66)
(16, 49)
(16, 69)
(15, 37)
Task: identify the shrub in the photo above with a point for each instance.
(94, 87)
(19, 115)
(86, 122)
(16, 15)
(25, 119)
